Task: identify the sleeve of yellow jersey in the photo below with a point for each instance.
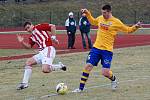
(124, 28)
(92, 20)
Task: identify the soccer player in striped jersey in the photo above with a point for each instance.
(39, 35)
(102, 50)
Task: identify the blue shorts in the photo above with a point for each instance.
(96, 55)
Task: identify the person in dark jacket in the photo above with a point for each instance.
(71, 30)
(84, 27)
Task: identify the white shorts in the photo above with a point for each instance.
(46, 56)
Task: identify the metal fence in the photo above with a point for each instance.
(16, 16)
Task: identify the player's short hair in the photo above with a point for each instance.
(106, 7)
(27, 23)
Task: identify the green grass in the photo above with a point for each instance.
(13, 52)
(128, 64)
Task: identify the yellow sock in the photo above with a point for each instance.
(111, 76)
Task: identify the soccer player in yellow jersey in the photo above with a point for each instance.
(108, 26)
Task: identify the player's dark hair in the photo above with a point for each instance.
(27, 23)
(106, 7)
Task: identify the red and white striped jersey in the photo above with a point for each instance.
(40, 36)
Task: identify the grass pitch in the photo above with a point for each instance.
(14, 52)
(130, 65)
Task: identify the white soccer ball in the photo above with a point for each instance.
(61, 88)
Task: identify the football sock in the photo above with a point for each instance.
(112, 77)
(27, 74)
(84, 78)
(57, 66)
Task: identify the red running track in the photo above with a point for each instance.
(9, 41)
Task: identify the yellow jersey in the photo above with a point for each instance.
(107, 30)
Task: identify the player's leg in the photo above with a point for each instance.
(59, 66)
(47, 61)
(27, 73)
(106, 63)
(47, 68)
(84, 77)
(92, 60)
(85, 74)
(108, 73)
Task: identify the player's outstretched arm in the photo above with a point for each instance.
(21, 40)
(91, 19)
(138, 24)
(53, 32)
(53, 29)
(128, 29)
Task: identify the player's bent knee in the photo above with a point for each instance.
(30, 62)
(105, 73)
(46, 69)
(88, 67)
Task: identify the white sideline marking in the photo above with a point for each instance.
(127, 81)
(131, 44)
(56, 31)
(118, 82)
(12, 32)
(5, 32)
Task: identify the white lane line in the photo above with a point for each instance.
(104, 85)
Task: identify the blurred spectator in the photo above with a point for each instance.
(84, 27)
(17, 1)
(43, 0)
(71, 30)
(3, 1)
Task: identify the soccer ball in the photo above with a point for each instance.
(61, 88)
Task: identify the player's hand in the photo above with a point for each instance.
(69, 32)
(84, 11)
(53, 37)
(138, 24)
(56, 41)
(20, 38)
